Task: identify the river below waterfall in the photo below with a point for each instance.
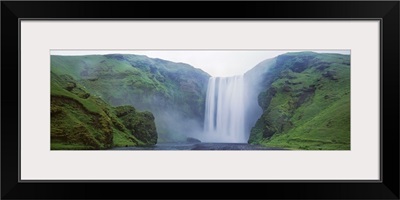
(200, 146)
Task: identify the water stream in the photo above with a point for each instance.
(225, 110)
(200, 146)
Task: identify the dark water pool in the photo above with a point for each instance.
(200, 146)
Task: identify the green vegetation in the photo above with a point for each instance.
(81, 121)
(173, 92)
(104, 101)
(140, 124)
(305, 102)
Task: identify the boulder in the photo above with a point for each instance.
(192, 140)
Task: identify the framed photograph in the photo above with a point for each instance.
(114, 98)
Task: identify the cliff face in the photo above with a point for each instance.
(81, 121)
(173, 92)
(305, 101)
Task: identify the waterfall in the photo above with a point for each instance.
(224, 119)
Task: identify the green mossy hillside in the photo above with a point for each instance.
(140, 124)
(81, 121)
(306, 103)
(173, 92)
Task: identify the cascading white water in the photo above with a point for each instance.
(225, 110)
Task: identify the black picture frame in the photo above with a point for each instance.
(386, 11)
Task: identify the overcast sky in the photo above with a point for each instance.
(215, 63)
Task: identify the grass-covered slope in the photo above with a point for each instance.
(173, 92)
(80, 120)
(306, 102)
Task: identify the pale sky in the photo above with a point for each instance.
(215, 63)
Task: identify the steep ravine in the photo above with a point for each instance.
(293, 101)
